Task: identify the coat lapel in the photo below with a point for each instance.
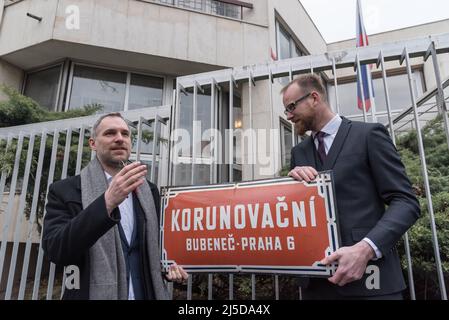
(309, 147)
(337, 144)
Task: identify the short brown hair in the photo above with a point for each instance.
(93, 133)
(308, 82)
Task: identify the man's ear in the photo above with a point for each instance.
(92, 144)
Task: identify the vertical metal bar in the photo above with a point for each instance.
(4, 173)
(37, 183)
(212, 137)
(276, 287)
(360, 84)
(51, 172)
(19, 219)
(127, 87)
(334, 71)
(194, 137)
(139, 139)
(170, 290)
(231, 286)
(290, 75)
(157, 119)
(426, 180)
(189, 288)
(381, 62)
(9, 209)
(231, 130)
(65, 162)
(252, 156)
(173, 123)
(272, 144)
(79, 154)
(209, 286)
(253, 286)
(440, 96)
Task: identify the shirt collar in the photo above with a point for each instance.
(108, 177)
(331, 128)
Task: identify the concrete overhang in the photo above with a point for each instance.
(50, 51)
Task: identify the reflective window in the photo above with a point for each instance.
(288, 48)
(92, 85)
(145, 91)
(98, 86)
(42, 86)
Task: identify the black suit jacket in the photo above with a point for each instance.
(69, 231)
(374, 196)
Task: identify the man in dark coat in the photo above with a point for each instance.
(374, 197)
(105, 222)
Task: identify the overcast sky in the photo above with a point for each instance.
(335, 19)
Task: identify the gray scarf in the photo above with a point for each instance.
(107, 263)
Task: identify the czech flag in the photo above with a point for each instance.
(367, 82)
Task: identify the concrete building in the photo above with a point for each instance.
(126, 54)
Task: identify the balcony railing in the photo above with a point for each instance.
(227, 8)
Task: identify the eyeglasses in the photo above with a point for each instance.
(292, 106)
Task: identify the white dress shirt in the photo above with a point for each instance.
(331, 128)
(127, 221)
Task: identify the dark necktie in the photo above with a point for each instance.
(321, 149)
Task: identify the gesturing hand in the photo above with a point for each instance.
(124, 182)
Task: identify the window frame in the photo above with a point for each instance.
(127, 82)
(59, 64)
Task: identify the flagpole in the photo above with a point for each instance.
(364, 37)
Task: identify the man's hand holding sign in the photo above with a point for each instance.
(352, 261)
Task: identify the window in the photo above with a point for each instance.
(201, 145)
(145, 91)
(42, 86)
(98, 86)
(92, 85)
(286, 142)
(287, 47)
(209, 6)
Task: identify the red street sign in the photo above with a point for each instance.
(267, 226)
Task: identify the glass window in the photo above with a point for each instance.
(145, 91)
(42, 87)
(287, 45)
(284, 44)
(203, 118)
(98, 86)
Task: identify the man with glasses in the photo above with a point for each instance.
(368, 177)
(105, 221)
